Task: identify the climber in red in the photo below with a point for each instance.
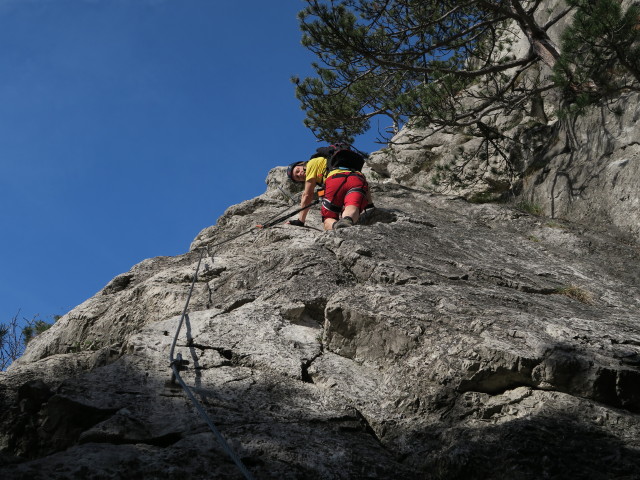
(346, 191)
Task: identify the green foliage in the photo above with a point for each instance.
(444, 64)
(35, 328)
(577, 293)
(531, 208)
(399, 59)
(449, 65)
(601, 52)
(15, 334)
(557, 225)
(484, 197)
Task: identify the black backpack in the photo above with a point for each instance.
(340, 155)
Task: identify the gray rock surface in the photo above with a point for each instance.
(441, 340)
(584, 168)
(590, 168)
(426, 157)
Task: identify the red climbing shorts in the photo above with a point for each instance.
(342, 190)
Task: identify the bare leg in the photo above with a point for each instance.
(352, 211)
(328, 223)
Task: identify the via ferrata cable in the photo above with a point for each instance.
(177, 362)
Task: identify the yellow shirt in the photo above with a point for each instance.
(317, 168)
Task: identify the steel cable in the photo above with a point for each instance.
(177, 362)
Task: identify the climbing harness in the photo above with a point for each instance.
(332, 207)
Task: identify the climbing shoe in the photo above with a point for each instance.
(344, 222)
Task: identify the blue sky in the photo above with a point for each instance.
(127, 126)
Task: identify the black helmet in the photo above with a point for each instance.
(290, 170)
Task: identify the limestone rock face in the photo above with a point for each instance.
(438, 339)
(441, 339)
(584, 168)
(589, 170)
(424, 157)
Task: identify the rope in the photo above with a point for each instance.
(271, 223)
(177, 362)
(175, 366)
